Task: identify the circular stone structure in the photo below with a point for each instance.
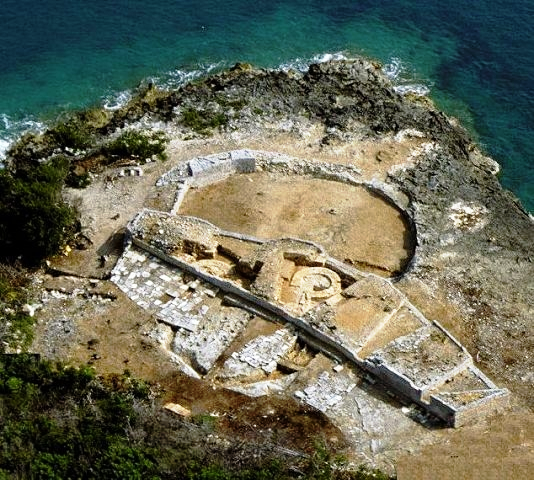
(215, 267)
(351, 222)
(317, 282)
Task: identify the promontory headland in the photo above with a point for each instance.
(304, 239)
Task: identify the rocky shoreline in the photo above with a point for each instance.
(474, 255)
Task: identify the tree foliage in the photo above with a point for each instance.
(58, 422)
(34, 220)
(136, 144)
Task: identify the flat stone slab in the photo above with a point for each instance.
(262, 353)
(200, 165)
(216, 331)
(404, 321)
(426, 357)
(328, 390)
(265, 387)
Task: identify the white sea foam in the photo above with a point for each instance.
(327, 57)
(117, 100)
(303, 64)
(393, 69)
(11, 129)
(177, 78)
(6, 121)
(167, 81)
(4, 145)
(416, 89)
(404, 78)
(299, 64)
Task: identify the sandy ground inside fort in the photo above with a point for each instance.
(348, 221)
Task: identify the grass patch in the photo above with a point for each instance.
(206, 421)
(18, 331)
(235, 103)
(16, 327)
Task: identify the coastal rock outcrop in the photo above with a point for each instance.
(475, 241)
(470, 244)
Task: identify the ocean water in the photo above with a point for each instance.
(474, 58)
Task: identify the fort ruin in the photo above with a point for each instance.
(211, 280)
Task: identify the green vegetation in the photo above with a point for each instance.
(16, 327)
(79, 131)
(227, 103)
(34, 220)
(76, 135)
(77, 180)
(34, 224)
(58, 422)
(94, 118)
(137, 144)
(203, 121)
(205, 420)
(72, 134)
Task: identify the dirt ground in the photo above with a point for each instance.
(110, 333)
(501, 449)
(350, 222)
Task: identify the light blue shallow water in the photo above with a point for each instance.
(475, 56)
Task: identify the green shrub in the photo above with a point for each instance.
(59, 422)
(121, 461)
(50, 466)
(205, 420)
(202, 121)
(72, 134)
(62, 422)
(136, 144)
(75, 180)
(12, 283)
(234, 103)
(19, 333)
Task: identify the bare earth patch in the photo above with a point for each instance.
(352, 223)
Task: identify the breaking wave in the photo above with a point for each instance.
(116, 100)
(177, 78)
(404, 78)
(11, 129)
(166, 81)
(303, 64)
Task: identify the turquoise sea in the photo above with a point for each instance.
(474, 57)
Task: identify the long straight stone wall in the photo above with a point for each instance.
(333, 345)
